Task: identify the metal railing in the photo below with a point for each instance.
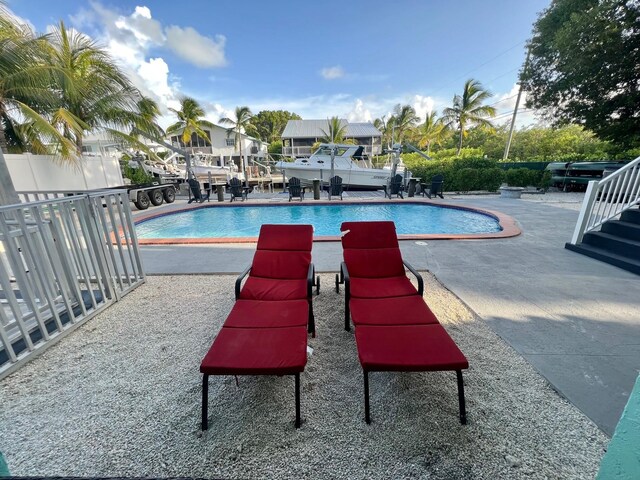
(607, 198)
(62, 260)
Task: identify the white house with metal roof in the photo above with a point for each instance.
(299, 136)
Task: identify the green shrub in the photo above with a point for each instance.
(136, 175)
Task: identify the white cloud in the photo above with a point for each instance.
(506, 103)
(359, 113)
(332, 73)
(197, 49)
(422, 105)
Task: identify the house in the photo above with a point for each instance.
(221, 143)
(299, 136)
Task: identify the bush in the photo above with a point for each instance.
(137, 175)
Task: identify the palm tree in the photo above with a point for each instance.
(431, 131)
(404, 119)
(241, 124)
(386, 128)
(335, 132)
(190, 120)
(92, 89)
(468, 109)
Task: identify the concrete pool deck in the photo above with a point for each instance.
(573, 318)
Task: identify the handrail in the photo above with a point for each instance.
(608, 198)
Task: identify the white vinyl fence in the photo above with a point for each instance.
(62, 260)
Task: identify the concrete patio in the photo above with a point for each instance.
(573, 318)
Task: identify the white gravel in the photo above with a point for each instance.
(121, 397)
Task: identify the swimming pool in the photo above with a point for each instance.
(243, 222)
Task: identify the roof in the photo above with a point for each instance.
(316, 128)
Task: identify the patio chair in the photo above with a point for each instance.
(281, 269)
(237, 190)
(435, 189)
(266, 331)
(395, 330)
(395, 187)
(295, 190)
(335, 187)
(195, 193)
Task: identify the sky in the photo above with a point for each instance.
(353, 59)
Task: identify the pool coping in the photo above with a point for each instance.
(507, 223)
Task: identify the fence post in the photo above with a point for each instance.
(585, 212)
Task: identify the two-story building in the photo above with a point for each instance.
(299, 136)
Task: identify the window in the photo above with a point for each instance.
(231, 142)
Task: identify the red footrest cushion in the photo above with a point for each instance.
(257, 351)
(409, 310)
(262, 314)
(408, 348)
(381, 287)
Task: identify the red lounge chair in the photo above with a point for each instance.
(394, 328)
(281, 267)
(266, 330)
(376, 269)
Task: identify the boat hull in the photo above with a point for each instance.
(354, 178)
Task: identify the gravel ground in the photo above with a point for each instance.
(121, 397)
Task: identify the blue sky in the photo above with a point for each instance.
(353, 59)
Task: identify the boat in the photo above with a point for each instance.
(576, 176)
(349, 163)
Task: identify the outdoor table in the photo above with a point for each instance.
(412, 186)
(316, 189)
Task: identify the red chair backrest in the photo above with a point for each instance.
(283, 252)
(371, 249)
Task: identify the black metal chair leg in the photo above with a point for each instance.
(297, 400)
(347, 324)
(312, 321)
(205, 402)
(318, 285)
(337, 283)
(463, 410)
(367, 412)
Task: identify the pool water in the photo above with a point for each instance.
(234, 222)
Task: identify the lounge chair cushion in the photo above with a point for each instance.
(256, 288)
(374, 262)
(364, 235)
(271, 314)
(285, 237)
(408, 348)
(382, 287)
(257, 351)
(280, 264)
(410, 310)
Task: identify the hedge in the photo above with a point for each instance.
(474, 173)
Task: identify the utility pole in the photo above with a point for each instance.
(515, 110)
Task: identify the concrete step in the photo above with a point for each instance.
(620, 261)
(631, 216)
(622, 229)
(613, 243)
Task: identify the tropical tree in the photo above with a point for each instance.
(190, 120)
(241, 124)
(404, 119)
(584, 67)
(431, 132)
(468, 109)
(92, 90)
(386, 128)
(269, 124)
(335, 131)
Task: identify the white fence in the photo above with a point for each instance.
(45, 173)
(62, 261)
(608, 198)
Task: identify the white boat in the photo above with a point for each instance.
(203, 165)
(348, 163)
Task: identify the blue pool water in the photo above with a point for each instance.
(220, 222)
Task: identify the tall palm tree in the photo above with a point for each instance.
(404, 119)
(241, 124)
(190, 120)
(335, 132)
(91, 87)
(431, 131)
(386, 128)
(468, 109)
